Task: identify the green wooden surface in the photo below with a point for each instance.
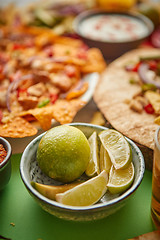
(33, 223)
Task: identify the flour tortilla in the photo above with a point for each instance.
(111, 93)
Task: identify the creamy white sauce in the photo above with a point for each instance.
(113, 28)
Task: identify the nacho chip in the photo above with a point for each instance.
(42, 115)
(154, 99)
(64, 111)
(77, 93)
(17, 128)
(95, 62)
(148, 236)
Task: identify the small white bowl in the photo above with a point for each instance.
(109, 204)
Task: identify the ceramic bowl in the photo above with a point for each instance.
(5, 165)
(111, 49)
(107, 205)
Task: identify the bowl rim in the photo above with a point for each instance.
(8, 148)
(103, 205)
(88, 13)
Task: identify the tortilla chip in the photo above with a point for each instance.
(62, 111)
(154, 99)
(42, 115)
(148, 236)
(95, 62)
(17, 128)
(77, 93)
(65, 111)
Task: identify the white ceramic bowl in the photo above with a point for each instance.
(107, 205)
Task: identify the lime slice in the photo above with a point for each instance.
(50, 191)
(117, 147)
(105, 161)
(93, 165)
(121, 179)
(86, 193)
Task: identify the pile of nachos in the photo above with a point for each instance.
(41, 78)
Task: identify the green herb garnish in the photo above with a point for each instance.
(132, 81)
(148, 86)
(43, 103)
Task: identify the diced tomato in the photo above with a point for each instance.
(1, 69)
(133, 67)
(82, 54)
(152, 65)
(53, 98)
(84, 47)
(49, 51)
(70, 71)
(21, 91)
(17, 46)
(1, 116)
(149, 109)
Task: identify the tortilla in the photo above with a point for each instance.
(148, 236)
(112, 92)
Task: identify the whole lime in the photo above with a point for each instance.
(63, 153)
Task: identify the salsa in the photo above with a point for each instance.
(3, 153)
(113, 28)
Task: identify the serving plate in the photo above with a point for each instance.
(19, 144)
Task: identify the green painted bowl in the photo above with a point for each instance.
(108, 204)
(5, 166)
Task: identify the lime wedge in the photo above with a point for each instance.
(105, 161)
(50, 191)
(117, 147)
(86, 193)
(93, 165)
(121, 179)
